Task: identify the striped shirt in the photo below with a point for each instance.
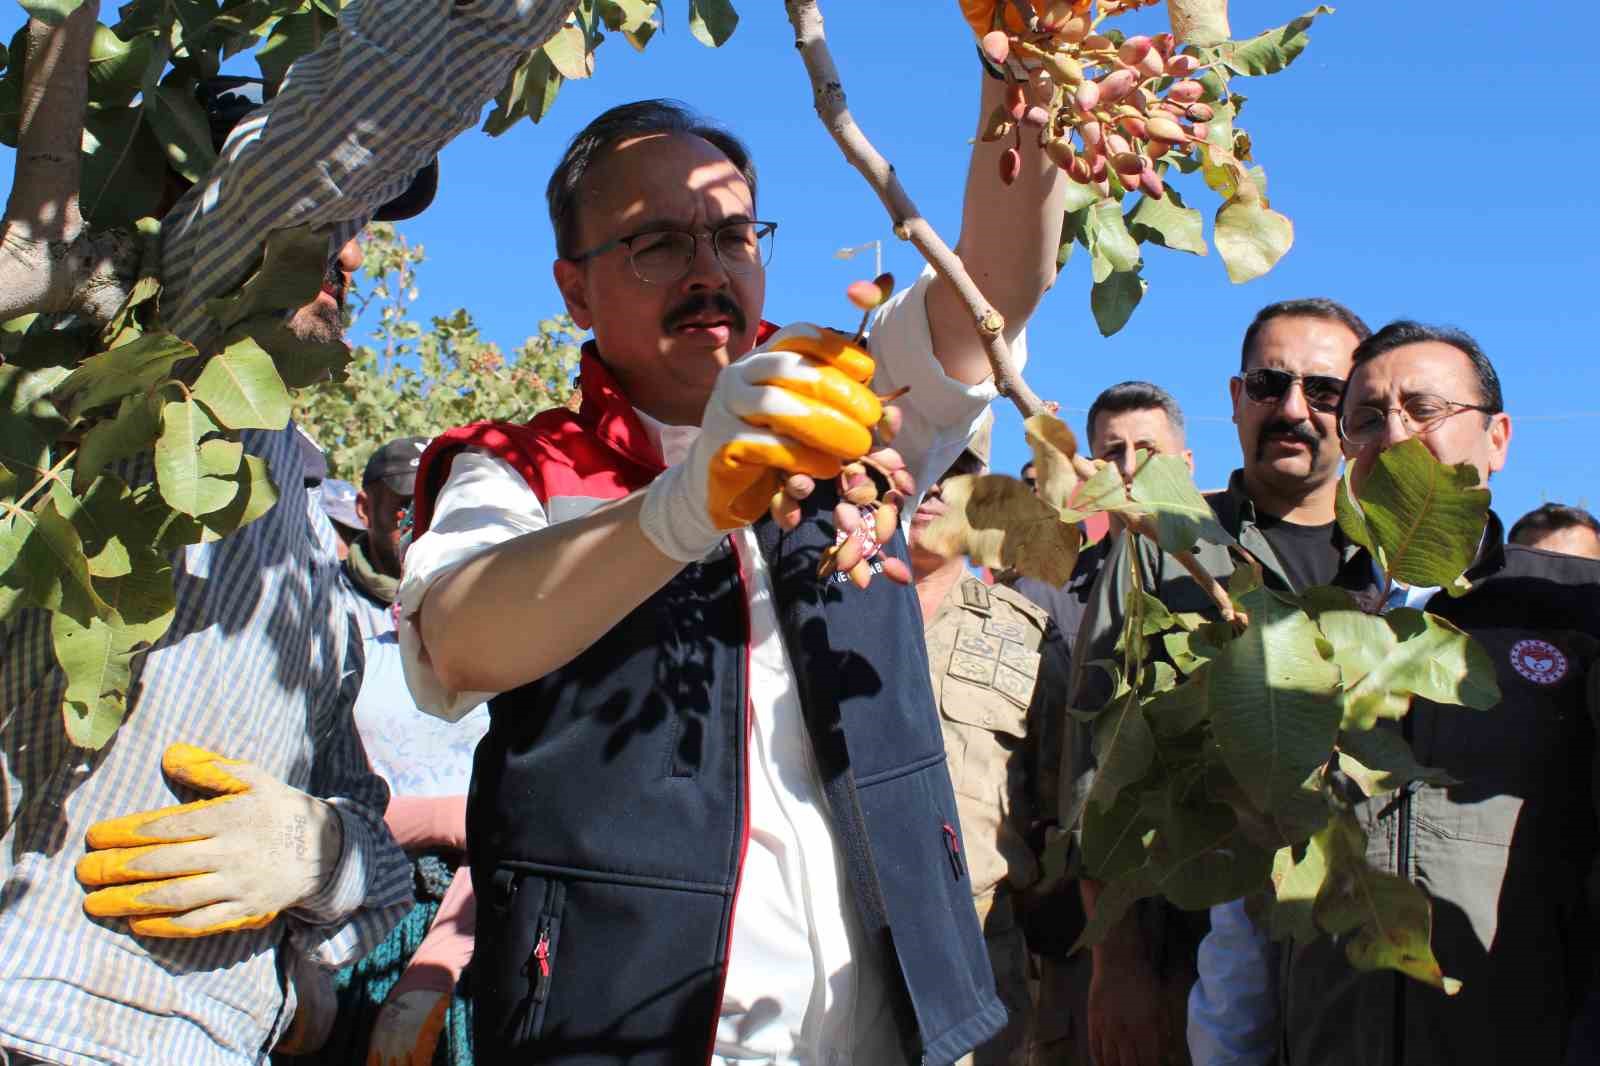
(262, 660)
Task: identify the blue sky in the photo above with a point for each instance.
(1429, 153)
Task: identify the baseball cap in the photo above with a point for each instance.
(228, 98)
(395, 464)
(339, 503)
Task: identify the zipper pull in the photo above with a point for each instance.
(540, 961)
(952, 844)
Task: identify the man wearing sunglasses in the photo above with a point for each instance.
(687, 716)
(1279, 505)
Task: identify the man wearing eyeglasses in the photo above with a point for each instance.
(711, 818)
(1507, 852)
(1279, 505)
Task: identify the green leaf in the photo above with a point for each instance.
(1072, 230)
(1250, 237)
(712, 21)
(569, 51)
(54, 12)
(1272, 51)
(1273, 708)
(1124, 748)
(300, 362)
(1426, 518)
(1299, 874)
(117, 67)
(29, 424)
(1384, 921)
(1352, 523)
(124, 167)
(98, 675)
(1109, 240)
(292, 37)
(134, 429)
(1384, 660)
(51, 570)
(182, 477)
(1176, 711)
(132, 369)
(103, 517)
(998, 522)
(180, 125)
(289, 277)
(242, 390)
(1102, 492)
(1113, 837)
(1114, 296)
(1163, 486)
(1169, 223)
(634, 19)
(1201, 858)
(254, 495)
(1053, 446)
(1380, 760)
(143, 599)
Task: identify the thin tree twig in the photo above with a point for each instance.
(909, 224)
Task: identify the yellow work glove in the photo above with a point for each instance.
(799, 404)
(407, 1028)
(215, 865)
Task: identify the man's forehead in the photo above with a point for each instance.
(1304, 345)
(1428, 366)
(1133, 424)
(665, 176)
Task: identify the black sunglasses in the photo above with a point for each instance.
(1266, 385)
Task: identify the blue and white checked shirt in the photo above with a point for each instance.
(262, 661)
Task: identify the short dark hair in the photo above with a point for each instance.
(1311, 307)
(1403, 331)
(638, 119)
(1133, 396)
(1551, 518)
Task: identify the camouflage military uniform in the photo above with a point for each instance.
(1000, 674)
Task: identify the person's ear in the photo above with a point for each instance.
(364, 508)
(572, 281)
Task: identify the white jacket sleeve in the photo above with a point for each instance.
(484, 502)
(1233, 1007)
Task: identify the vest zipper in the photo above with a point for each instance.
(539, 964)
(952, 845)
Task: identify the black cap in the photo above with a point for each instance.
(228, 98)
(395, 464)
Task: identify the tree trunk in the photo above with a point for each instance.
(48, 261)
(1199, 21)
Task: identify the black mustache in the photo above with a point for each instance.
(1297, 431)
(698, 305)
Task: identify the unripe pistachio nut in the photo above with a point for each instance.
(1133, 126)
(1078, 171)
(1064, 69)
(1127, 163)
(1153, 65)
(1093, 134)
(1150, 183)
(1117, 84)
(997, 46)
(1097, 42)
(1117, 144)
(1087, 96)
(1182, 66)
(1201, 131)
(1133, 49)
(1165, 128)
(861, 574)
(1010, 165)
(895, 569)
(1185, 92)
(1198, 112)
(1016, 101)
(884, 521)
(1060, 153)
(1035, 117)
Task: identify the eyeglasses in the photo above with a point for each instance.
(660, 257)
(1266, 385)
(1421, 412)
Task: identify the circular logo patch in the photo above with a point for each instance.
(1539, 661)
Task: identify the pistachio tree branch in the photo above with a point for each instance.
(49, 261)
(1199, 21)
(909, 224)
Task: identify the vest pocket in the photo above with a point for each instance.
(516, 964)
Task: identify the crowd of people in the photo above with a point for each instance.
(546, 743)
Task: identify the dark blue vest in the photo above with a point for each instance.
(607, 819)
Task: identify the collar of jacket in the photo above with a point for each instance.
(1236, 511)
(610, 415)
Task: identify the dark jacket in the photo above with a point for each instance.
(1507, 855)
(607, 820)
(1171, 935)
